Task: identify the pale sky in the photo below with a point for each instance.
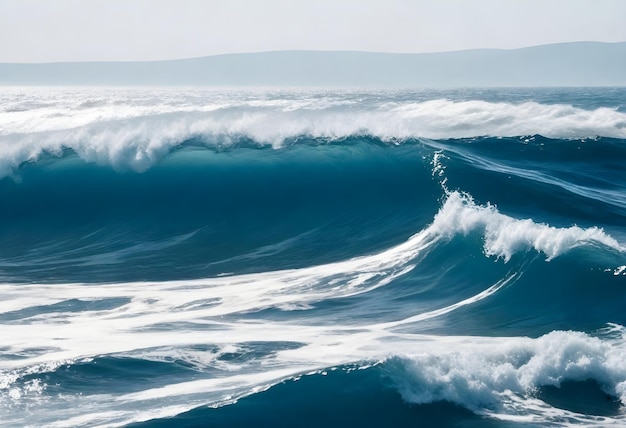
(135, 30)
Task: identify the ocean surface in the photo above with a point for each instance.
(237, 258)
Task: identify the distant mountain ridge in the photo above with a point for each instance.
(564, 64)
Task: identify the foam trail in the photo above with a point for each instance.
(497, 377)
(179, 301)
(609, 196)
(185, 301)
(442, 311)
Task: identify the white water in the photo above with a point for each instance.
(505, 236)
(134, 128)
(162, 321)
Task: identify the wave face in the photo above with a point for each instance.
(184, 257)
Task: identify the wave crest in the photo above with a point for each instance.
(503, 378)
(128, 130)
(505, 236)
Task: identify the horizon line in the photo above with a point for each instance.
(310, 51)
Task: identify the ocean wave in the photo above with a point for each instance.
(299, 288)
(505, 236)
(278, 243)
(129, 132)
(502, 378)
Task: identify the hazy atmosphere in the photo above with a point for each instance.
(139, 30)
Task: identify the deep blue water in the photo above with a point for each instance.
(195, 257)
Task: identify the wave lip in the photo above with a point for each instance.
(501, 380)
(505, 236)
(124, 130)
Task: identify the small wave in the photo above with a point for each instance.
(501, 377)
(504, 236)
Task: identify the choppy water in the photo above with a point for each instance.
(188, 257)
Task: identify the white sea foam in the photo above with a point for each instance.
(166, 321)
(161, 321)
(501, 376)
(505, 236)
(135, 128)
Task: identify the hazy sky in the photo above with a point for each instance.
(79, 30)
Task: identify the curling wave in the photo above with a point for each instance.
(133, 129)
(197, 256)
